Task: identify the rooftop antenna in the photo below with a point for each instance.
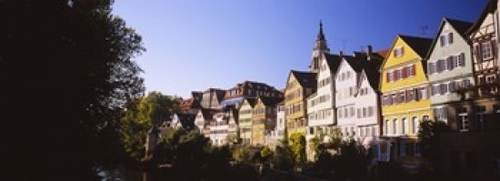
(424, 29)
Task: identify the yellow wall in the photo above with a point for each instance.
(407, 109)
(291, 118)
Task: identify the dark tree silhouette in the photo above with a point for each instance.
(66, 68)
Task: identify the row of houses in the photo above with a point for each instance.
(378, 98)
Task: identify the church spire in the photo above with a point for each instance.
(320, 47)
(321, 41)
(321, 36)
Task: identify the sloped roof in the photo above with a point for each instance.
(490, 7)
(333, 61)
(270, 101)
(187, 120)
(305, 79)
(356, 62)
(252, 101)
(231, 102)
(420, 45)
(372, 74)
(460, 26)
(208, 113)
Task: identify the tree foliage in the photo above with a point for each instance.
(428, 138)
(67, 67)
(140, 116)
(283, 158)
(298, 147)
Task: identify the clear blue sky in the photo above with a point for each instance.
(196, 44)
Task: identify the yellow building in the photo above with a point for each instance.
(299, 86)
(245, 120)
(264, 119)
(405, 95)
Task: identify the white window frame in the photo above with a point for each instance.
(486, 51)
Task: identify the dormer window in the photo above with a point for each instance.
(398, 52)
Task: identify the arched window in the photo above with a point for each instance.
(394, 126)
(414, 124)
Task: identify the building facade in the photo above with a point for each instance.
(299, 86)
(405, 97)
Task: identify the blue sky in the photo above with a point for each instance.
(196, 44)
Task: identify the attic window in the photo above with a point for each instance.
(398, 52)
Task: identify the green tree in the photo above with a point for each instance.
(298, 147)
(67, 67)
(266, 154)
(283, 158)
(140, 116)
(243, 153)
(428, 139)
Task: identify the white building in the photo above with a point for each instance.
(357, 96)
(218, 129)
(321, 105)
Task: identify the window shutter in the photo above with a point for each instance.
(404, 74)
(394, 75)
(441, 40)
(450, 38)
(413, 68)
(494, 47)
(429, 67)
(478, 53)
(416, 94)
(387, 76)
(402, 51)
(407, 95)
(461, 60)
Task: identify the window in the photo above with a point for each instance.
(461, 60)
(440, 113)
(422, 93)
(450, 62)
(394, 126)
(399, 74)
(446, 39)
(490, 78)
(404, 128)
(486, 51)
(387, 122)
(414, 125)
(481, 117)
(402, 97)
(443, 89)
(452, 86)
(431, 67)
(398, 52)
(463, 120)
(411, 95)
(440, 65)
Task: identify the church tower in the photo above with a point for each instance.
(319, 48)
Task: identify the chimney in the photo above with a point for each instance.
(341, 53)
(369, 52)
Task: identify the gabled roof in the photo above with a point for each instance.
(420, 45)
(270, 101)
(356, 62)
(491, 6)
(251, 100)
(208, 113)
(372, 74)
(333, 61)
(186, 120)
(305, 79)
(460, 26)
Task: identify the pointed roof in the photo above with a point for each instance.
(491, 6)
(460, 26)
(320, 39)
(333, 61)
(207, 113)
(321, 35)
(355, 62)
(372, 74)
(420, 45)
(270, 101)
(305, 79)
